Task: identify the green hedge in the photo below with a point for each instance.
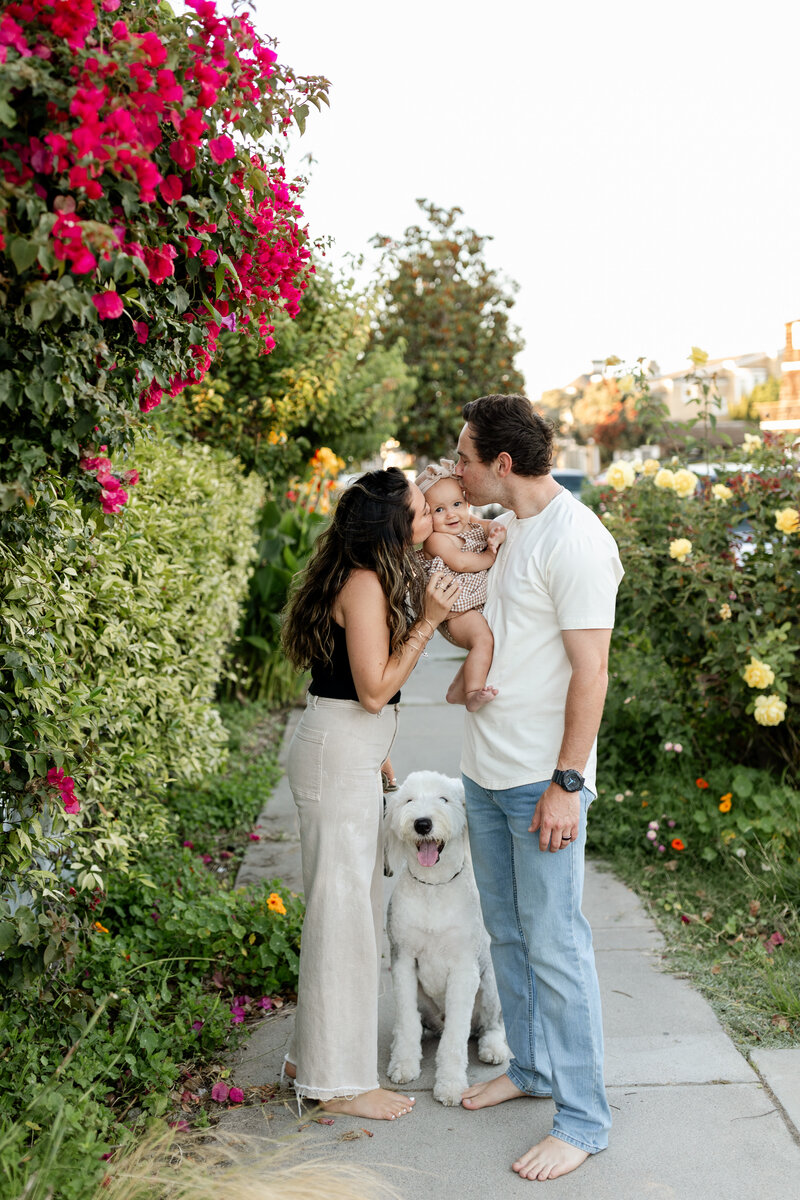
(112, 641)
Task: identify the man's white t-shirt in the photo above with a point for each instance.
(557, 570)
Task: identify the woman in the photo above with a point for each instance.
(360, 619)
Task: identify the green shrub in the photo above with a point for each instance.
(705, 649)
(113, 638)
(165, 973)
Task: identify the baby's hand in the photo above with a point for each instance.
(496, 536)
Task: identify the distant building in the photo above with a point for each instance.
(735, 378)
(785, 414)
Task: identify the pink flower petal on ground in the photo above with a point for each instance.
(255, 837)
(236, 1095)
(220, 1092)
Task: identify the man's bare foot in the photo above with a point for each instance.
(479, 697)
(548, 1159)
(377, 1105)
(494, 1091)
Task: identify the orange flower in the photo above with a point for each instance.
(725, 802)
(701, 783)
(275, 904)
(676, 843)
(100, 928)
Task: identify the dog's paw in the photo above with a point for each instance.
(492, 1048)
(449, 1091)
(403, 1070)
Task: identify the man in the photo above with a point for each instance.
(529, 774)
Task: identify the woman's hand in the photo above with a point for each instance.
(440, 596)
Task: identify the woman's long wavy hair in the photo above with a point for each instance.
(370, 528)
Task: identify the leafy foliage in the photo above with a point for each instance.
(712, 587)
(324, 384)
(113, 638)
(132, 227)
(158, 986)
(452, 312)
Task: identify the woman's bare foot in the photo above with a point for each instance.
(548, 1159)
(377, 1105)
(494, 1091)
(479, 697)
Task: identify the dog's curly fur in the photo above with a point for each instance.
(441, 966)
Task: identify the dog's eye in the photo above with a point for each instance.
(409, 800)
(445, 799)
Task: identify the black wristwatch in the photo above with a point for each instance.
(570, 780)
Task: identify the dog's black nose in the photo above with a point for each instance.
(423, 826)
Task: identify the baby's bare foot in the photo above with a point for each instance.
(548, 1159)
(479, 697)
(377, 1105)
(494, 1091)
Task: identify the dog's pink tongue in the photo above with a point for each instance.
(428, 854)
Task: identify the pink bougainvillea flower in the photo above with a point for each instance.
(108, 305)
(236, 1095)
(197, 1025)
(207, 859)
(255, 837)
(220, 1092)
(120, 31)
(189, 845)
(142, 330)
(265, 1002)
(111, 5)
(171, 189)
(71, 804)
(222, 148)
(237, 1014)
(776, 939)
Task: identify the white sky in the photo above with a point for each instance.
(637, 164)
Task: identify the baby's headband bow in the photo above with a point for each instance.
(435, 472)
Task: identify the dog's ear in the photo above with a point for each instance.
(393, 854)
(458, 791)
(390, 840)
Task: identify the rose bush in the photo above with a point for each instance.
(144, 208)
(707, 631)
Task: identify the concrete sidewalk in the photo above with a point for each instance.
(691, 1116)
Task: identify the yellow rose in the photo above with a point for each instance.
(621, 475)
(684, 482)
(725, 612)
(758, 675)
(699, 357)
(787, 520)
(722, 493)
(679, 548)
(770, 710)
(751, 441)
(637, 465)
(664, 478)
(650, 466)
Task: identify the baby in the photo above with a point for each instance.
(467, 546)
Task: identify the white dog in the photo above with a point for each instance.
(441, 967)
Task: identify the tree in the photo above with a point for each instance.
(325, 384)
(452, 311)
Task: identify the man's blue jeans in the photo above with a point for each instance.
(543, 958)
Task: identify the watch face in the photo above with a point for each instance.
(573, 781)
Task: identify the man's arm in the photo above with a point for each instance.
(558, 812)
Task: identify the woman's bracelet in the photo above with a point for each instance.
(423, 639)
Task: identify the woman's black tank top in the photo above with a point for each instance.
(334, 680)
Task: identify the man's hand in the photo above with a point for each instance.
(495, 536)
(557, 818)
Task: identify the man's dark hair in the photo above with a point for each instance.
(510, 424)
